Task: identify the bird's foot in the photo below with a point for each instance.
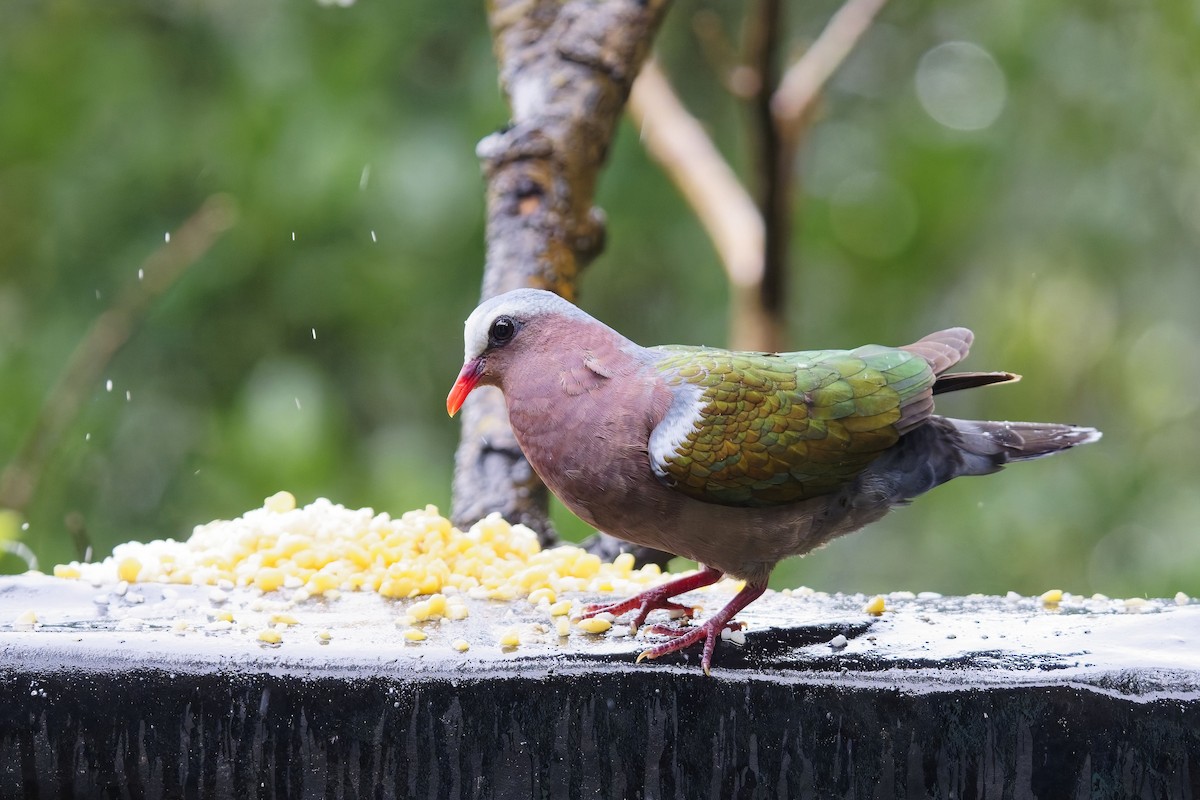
(644, 603)
(658, 598)
(710, 630)
(675, 631)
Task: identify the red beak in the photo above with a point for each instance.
(468, 379)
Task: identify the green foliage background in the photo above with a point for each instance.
(1065, 234)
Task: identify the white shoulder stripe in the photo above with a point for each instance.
(678, 424)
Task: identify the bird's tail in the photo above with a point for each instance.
(994, 444)
(943, 449)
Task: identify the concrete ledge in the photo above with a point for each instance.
(939, 697)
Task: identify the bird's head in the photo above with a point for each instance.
(500, 331)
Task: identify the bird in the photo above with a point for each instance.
(736, 460)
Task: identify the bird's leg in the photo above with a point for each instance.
(656, 598)
(709, 630)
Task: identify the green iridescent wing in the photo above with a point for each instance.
(755, 429)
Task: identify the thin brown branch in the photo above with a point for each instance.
(802, 83)
(107, 335)
(679, 143)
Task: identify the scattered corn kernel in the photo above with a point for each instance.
(594, 625)
(561, 609)
(510, 638)
(1052, 597)
(66, 571)
(875, 605)
(280, 503)
(283, 618)
(26, 618)
(414, 635)
(270, 636)
(562, 626)
(324, 636)
(545, 593)
(461, 645)
(223, 616)
(128, 569)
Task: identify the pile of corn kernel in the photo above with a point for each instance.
(319, 551)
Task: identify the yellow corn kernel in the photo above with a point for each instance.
(510, 638)
(283, 618)
(461, 645)
(66, 571)
(562, 626)
(224, 616)
(545, 593)
(593, 625)
(324, 636)
(875, 606)
(269, 579)
(270, 636)
(561, 609)
(457, 611)
(26, 618)
(397, 587)
(1052, 597)
(280, 502)
(128, 569)
(624, 563)
(414, 635)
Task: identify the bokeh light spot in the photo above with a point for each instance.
(961, 86)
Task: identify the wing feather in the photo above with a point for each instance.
(755, 429)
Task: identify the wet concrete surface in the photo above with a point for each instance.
(142, 692)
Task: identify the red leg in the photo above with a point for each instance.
(710, 630)
(656, 598)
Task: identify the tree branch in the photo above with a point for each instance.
(679, 143)
(801, 85)
(566, 68)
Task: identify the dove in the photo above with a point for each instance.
(736, 460)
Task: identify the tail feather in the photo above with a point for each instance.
(944, 449)
(1018, 441)
(943, 349)
(957, 381)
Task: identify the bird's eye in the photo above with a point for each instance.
(502, 331)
